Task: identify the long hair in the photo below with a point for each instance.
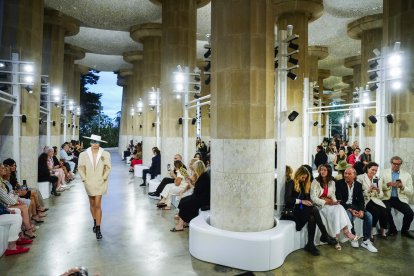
(298, 174)
(288, 173)
(328, 177)
(199, 168)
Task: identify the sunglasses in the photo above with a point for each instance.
(95, 142)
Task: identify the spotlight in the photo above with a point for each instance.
(373, 64)
(140, 126)
(322, 126)
(73, 126)
(373, 87)
(196, 95)
(28, 68)
(208, 66)
(276, 51)
(153, 124)
(24, 118)
(376, 52)
(349, 126)
(363, 124)
(4, 88)
(197, 78)
(207, 80)
(197, 87)
(193, 121)
(372, 119)
(28, 79)
(76, 126)
(2, 65)
(355, 125)
(315, 123)
(180, 121)
(394, 60)
(53, 123)
(208, 53)
(395, 72)
(373, 76)
(292, 116)
(390, 118)
(276, 63)
(68, 125)
(292, 60)
(293, 46)
(291, 75)
(28, 89)
(396, 85)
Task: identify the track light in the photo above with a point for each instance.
(315, 123)
(24, 118)
(373, 64)
(355, 125)
(153, 124)
(322, 126)
(373, 87)
(276, 63)
(208, 66)
(292, 116)
(207, 80)
(4, 88)
(68, 125)
(193, 121)
(291, 75)
(372, 119)
(53, 123)
(292, 60)
(180, 121)
(373, 75)
(390, 118)
(140, 126)
(2, 65)
(28, 89)
(208, 53)
(196, 95)
(197, 78)
(293, 46)
(276, 51)
(73, 126)
(197, 87)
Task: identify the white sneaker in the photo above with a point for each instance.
(355, 244)
(368, 245)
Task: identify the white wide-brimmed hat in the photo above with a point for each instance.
(95, 138)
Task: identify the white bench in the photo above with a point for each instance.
(138, 170)
(4, 237)
(153, 185)
(44, 188)
(175, 199)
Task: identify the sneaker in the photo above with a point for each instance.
(368, 245)
(354, 244)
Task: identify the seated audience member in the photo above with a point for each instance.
(341, 167)
(297, 198)
(207, 162)
(353, 157)
(67, 158)
(349, 193)
(155, 168)
(14, 219)
(373, 197)
(331, 153)
(320, 156)
(191, 179)
(397, 186)
(309, 168)
(198, 156)
(55, 170)
(175, 188)
(136, 160)
(190, 205)
(167, 180)
(341, 156)
(202, 149)
(334, 216)
(43, 173)
(62, 165)
(365, 158)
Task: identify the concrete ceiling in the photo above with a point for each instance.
(105, 24)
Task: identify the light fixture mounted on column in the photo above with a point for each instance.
(390, 118)
(291, 75)
(315, 123)
(193, 121)
(372, 119)
(180, 121)
(292, 116)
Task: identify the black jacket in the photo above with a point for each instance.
(320, 158)
(341, 193)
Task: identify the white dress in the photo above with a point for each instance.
(334, 217)
(172, 189)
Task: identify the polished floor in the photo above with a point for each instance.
(137, 241)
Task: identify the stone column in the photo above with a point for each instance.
(205, 109)
(126, 130)
(80, 70)
(398, 26)
(22, 33)
(56, 27)
(324, 74)
(297, 13)
(369, 30)
(178, 47)
(149, 34)
(242, 126)
(316, 53)
(72, 53)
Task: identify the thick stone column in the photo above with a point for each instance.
(80, 70)
(56, 27)
(205, 109)
(242, 126)
(72, 53)
(125, 77)
(398, 26)
(369, 30)
(22, 33)
(149, 34)
(297, 13)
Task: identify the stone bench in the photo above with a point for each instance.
(44, 188)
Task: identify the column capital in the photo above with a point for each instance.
(313, 9)
(123, 76)
(132, 56)
(200, 3)
(57, 18)
(321, 52)
(74, 51)
(82, 69)
(366, 23)
(351, 62)
(349, 79)
(324, 73)
(141, 31)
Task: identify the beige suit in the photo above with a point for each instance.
(95, 176)
(404, 193)
(370, 195)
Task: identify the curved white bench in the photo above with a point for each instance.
(44, 188)
(253, 251)
(138, 170)
(153, 185)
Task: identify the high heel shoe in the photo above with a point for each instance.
(98, 233)
(29, 236)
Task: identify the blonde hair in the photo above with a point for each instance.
(298, 174)
(199, 168)
(192, 161)
(288, 173)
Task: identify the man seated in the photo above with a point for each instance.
(349, 193)
(397, 186)
(155, 168)
(68, 158)
(167, 180)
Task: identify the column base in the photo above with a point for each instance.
(252, 251)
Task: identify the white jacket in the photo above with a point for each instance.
(404, 193)
(370, 195)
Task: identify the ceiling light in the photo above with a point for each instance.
(396, 85)
(179, 77)
(373, 75)
(373, 64)
(28, 68)
(315, 123)
(394, 59)
(395, 72)
(373, 87)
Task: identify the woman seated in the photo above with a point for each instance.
(341, 156)
(31, 202)
(136, 160)
(341, 167)
(175, 188)
(191, 179)
(14, 219)
(297, 198)
(60, 164)
(373, 195)
(189, 205)
(44, 175)
(333, 215)
(56, 170)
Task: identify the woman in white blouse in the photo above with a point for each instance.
(373, 195)
(333, 214)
